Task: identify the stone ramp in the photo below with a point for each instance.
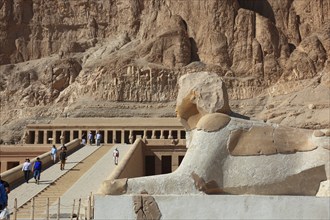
(66, 184)
(26, 191)
(90, 181)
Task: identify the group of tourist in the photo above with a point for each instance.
(27, 168)
(97, 137)
(37, 166)
(62, 156)
(36, 169)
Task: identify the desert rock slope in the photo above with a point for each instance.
(122, 58)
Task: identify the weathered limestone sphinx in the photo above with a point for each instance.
(228, 155)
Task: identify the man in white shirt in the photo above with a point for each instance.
(115, 155)
(26, 169)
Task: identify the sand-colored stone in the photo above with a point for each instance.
(289, 140)
(255, 141)
(145, 207)
(195, 100)
(210, 187)
(213, 122)
(114, 187)
(324, 189)
(318, 133)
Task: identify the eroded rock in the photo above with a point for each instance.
(200, 93)
(114, 187)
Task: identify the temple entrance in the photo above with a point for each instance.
(75, 134)
(58, 137)
(137, 134)
(150, 165)
(49, 137)
(40, 137)
(31, 137)
(110, 137)
(12, 164)
(118, 137)
(166, 164)
(66, 136)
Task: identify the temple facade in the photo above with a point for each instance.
(164, 138)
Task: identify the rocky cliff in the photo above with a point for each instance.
(83, 58)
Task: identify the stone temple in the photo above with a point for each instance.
(219, 108)
(214, 158)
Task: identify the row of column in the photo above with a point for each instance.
(116, 136)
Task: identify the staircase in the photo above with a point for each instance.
(59, 187)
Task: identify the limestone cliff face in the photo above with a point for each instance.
(73, 57)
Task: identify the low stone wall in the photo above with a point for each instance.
(212, 207)
(15, 175)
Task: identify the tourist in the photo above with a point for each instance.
(90, 138)
(53, 153)
(63, 147)
(6, 185)
(115, 156)
(26, 169)
(98, 138)
(37, 170)
(3, 196)
(62, 158)
(83, 138)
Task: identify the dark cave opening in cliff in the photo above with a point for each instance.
(261, 7)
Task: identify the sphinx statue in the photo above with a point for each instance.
(230, 155)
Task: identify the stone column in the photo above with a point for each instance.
(175, 160)
(179, 134)
(161, 134)
(114, 136)
(105, 138)
(170, 134)
(45, 137)
(122, 136)
(4, 166)
(130, 137)
(36, 137)
(158, 164)
(71, 135)
(144, 134)
(62, 138)
(54, 137)
(80, 134)
(153, 136)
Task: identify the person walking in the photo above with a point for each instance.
(115, 155)
(26, 169)
(6, 185)
(83, 139)
(62, 158)
(90, 138)
(37, 170)
(53, 153)
(3, 197)
(98, 138)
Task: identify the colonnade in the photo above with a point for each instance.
(108, 136)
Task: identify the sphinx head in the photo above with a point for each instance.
(199, 94)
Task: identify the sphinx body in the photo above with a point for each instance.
(209, 167)
(228, 155)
